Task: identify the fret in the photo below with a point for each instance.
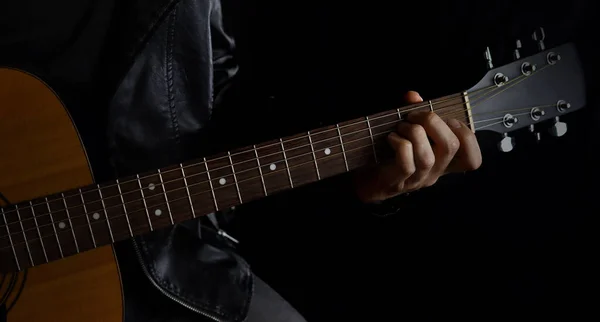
(357, 143)
(248, 173)
(382, 124)
(342, 146)
(62, 225)
(312, 149)
(97, 215)
(70, 222)
(166, 197)
(37, 227)
(156, 199)
(12, 245)
(300, 161)
(200, 188)
(24, 236)
(187, 189)
(262, 179)
(430, 106)
(329, 151)
(237, 187)
(212, 189)
(222, 179)
(144, 201)
(372, 139)
(77, 219)
(399, 114)
(287, 166)
(275, 174)
(54, 228)
(177, 193)
(29, 238)
(132, 198)
(87, 218)
(124, 208)
(113, 208)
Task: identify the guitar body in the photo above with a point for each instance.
(43, 154)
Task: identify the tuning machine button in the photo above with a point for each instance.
(507, 143)
(553, 58)
(536, 113)
(488, 58)
(517, 52)
(562, 106)
(559, 128)
(500, 79)
(539, 35)
(528, 68)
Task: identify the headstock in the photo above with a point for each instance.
(529, 91)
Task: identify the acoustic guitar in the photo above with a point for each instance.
(57, 225)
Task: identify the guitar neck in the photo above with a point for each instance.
(71, 222)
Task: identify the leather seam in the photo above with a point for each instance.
(170, 287)
(170, 73)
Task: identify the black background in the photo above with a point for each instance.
(513, 240)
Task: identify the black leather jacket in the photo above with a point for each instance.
(158, 116)
(163, 112)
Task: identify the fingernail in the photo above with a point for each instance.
(393, 136)
(454, 123)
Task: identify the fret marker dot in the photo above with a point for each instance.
(222, 181)
(62, 225)
(96, 216)
(272, 166)
(328, 151)
(157, 212)
(151, 186)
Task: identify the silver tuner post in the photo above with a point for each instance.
(559, 128)
(537, 135)
(539, 35)
(507, 143)
(517, 52)
(488, 58)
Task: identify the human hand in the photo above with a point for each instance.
(418, 161)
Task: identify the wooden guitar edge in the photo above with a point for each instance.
(47, 156)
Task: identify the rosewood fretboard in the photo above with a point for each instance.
(61, 225)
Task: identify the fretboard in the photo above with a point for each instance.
(61, 225)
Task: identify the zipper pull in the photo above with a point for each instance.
(226, 235)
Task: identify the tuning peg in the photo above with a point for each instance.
(517, 52)
(537, 135)
(539, 35)
(506, 144)
(488, 58)
(559, 128)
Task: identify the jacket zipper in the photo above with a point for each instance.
(186, 305)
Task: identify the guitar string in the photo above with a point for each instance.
(204, 192)
(503, 88)
(239, 172)
(202, 182)
(105, 219)
(251, 169)
(336, 138)
(472, 94)
(215, 189)
(100, 221)
(492, 87)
